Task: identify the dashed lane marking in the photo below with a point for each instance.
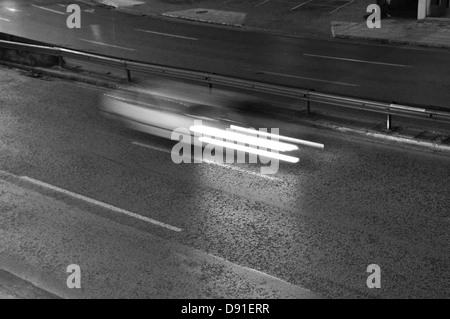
(356, 60)
(47, 9)
(300, 5)
(309, 79)
(167, 34)
(261, 3)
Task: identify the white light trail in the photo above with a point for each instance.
(247, 149)
(280, 137)
(273, 145)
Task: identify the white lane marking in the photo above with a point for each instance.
(356, 60)
(47, 9)
(101, 204)
(241, 170)
(309, 79)
(261, 3)
(166, 34)
(152, 147)
(13, 9)
(3, 19)
(341, 7)
(107, 45)
(212, 162)
(301, 4)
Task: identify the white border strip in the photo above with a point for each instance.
(159, 149)
(101, 204)
(106, 44)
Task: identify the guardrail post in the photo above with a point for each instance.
(60, 57)
(308, 104)
(389, 122)
(128, 75)
(208, 79)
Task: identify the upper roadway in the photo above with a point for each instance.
(383, 72)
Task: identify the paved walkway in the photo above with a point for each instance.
(428, 32)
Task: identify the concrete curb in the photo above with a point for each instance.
(393, 41)
(169, 15)
(400, 139)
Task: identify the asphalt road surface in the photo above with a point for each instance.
(317, 224)
(391, 73)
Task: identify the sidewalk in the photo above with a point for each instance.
(428, 32)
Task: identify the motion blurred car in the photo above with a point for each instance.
(158, 108)
(215, 117)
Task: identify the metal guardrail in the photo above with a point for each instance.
(211, 79)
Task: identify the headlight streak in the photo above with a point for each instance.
(279, 137)
(251, 140)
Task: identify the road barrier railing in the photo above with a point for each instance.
(82, 56)
(41, 49)
(308, 96)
